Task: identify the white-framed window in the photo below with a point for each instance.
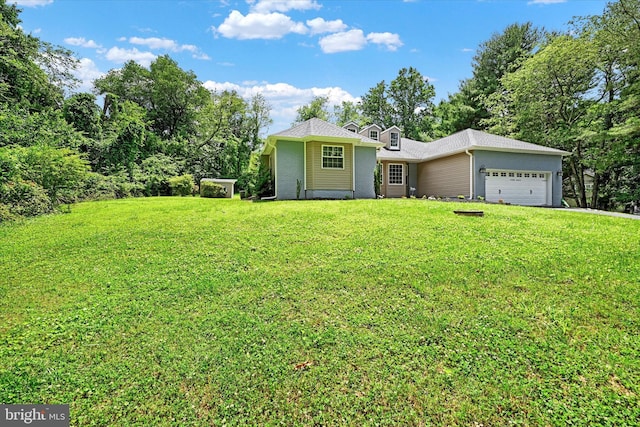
(395, 140)
(396, 174)
(373, 134)
(332, 157)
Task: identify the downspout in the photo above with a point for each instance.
(304, 167)
(470, 173)
(353, 171)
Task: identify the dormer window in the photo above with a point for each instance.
(351, 130)
(373, 134)
(394, 142)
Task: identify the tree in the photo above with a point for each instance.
(406, 102)
(81, 111)
(347, 112)
(550, 95)
(317, 108)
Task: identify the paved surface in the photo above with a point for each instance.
(597, 212)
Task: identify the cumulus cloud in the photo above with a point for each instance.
(120, 55)
(389, 40)
(344, 41)
(82, 42)
(258, 26)
(319, 26)
(355, 40)
(284, 98)
(87, 72)
(31, 3)
(266, 6)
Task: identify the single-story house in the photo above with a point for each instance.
(316, 159)
(473, 164)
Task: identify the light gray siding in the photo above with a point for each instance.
(365, 167)
(289, 157)
(518, 161)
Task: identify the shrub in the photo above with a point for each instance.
(181, 185)
(212, 190)
(5, 214)
(25, 198)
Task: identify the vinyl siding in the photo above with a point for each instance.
(445, 177)
(328, 179)
(393, 190)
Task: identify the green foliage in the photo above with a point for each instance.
(58, 171)
(154, 174)
(254, 314)
(407, 102)
(210, 189)
(25, 199)
(317, 108)
(181, 185)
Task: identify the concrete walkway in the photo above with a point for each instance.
(597, 212)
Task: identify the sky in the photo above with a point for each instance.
(290, 51)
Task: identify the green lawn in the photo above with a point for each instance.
(190, 311)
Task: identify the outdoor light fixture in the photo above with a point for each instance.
(559, 173)
(482, 169)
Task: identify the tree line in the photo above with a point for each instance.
(576, 90)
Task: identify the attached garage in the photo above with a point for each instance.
(527, 188)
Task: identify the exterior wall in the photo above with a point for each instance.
(393, 190)
(413, 178)
(365, 167)
(289, 161)
(518, 161)
(327, 179)
(444, 177)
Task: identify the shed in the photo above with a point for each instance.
(226, 183)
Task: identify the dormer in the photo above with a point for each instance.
(391, 138)
(352, 127)
(372, 131)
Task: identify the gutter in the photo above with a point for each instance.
(470, 173)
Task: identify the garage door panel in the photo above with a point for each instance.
(516, 187)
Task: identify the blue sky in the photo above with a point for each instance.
(290, 50)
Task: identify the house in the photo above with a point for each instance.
(316, 159)
(472, 164)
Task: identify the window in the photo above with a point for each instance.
(396, 177)
(512, 175)
(332, 157)
(503, 174)
(395, 140)
(519, 174)
(373, 134)
(351, 130)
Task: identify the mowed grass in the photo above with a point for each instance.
(189, 311)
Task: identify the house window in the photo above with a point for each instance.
(373, 134)
(332, 157)
(351, 130)
(396, 177)
(395, 141)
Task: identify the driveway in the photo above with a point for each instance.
(597, 212)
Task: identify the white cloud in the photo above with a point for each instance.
(266, 6)
(466, 49)
(87, 72)
(284, 98)
(345, 41)
(390, 40)
(119, 56)
(31, 3)
(82, 42)
(155, 43)
(319, 26)
(258, 26)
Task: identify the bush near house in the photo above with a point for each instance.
(212, 190)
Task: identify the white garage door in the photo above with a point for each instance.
(517, 187)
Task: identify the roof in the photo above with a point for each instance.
(466, 140)
(318, 130)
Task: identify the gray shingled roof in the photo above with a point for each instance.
(468, 139)
(317, 127)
